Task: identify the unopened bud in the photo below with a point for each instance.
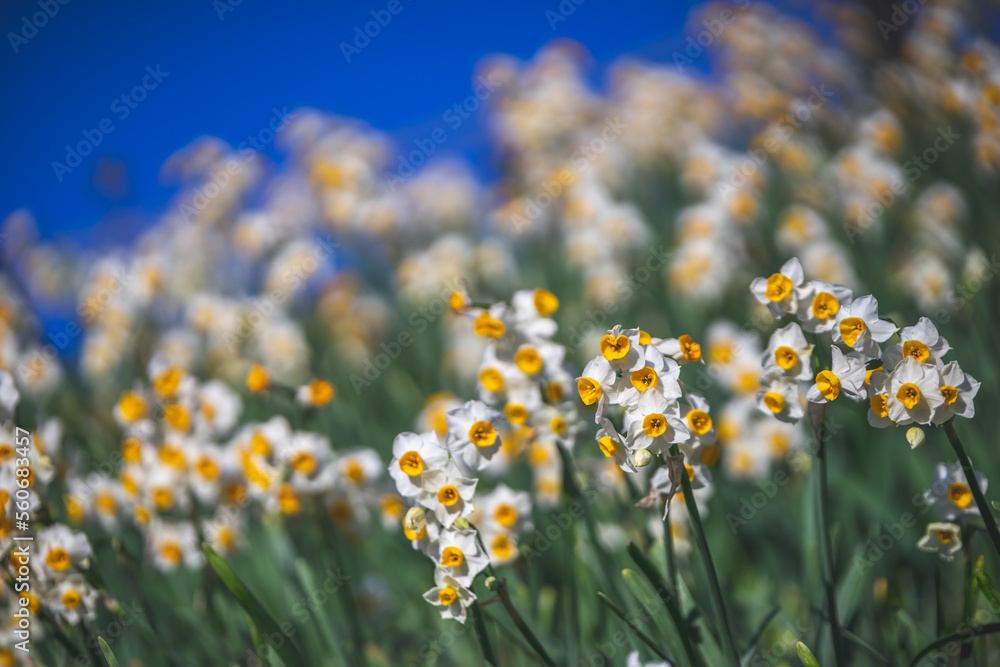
(915, 436)
(415, 520)
(462, 523)
(492, 584)
(642, 458)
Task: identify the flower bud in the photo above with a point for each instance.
(462, 523)
(642, 458)
(492, 584)
(415, 519)
(915, 436)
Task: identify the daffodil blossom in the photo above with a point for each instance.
(846, 376)
(921, 342)
(613, 447)
(944, 539)
(447, 493)
(473, 438)
(597, 385)
(459, 552)
(950, 494)
(914, 392)
(789, 353)
(506, 509)
(655, 373)
(818, 305)
(859, 327)
(621, 349)
(654, 423)
(413, 456)
(779, 398)
(778, 292)
(449, 596)
(958, 389)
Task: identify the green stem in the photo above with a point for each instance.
(519, 623)
(728, 644)
(977, 493)
(964, 636)
(482, 634)
(826, 547)
(638, 633)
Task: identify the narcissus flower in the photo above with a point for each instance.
(654, 373)
(846, 376)
(316, 394)
(654, 423)
(62, 551)
(859, 327)
(449, 596)
(413, 456)
(944, 539)
(621, 349)
(505, 509)
(73, 600)
(613, 446)
(950, 493)
(818, 305)
(598, 385)
(913, 392)
(920, 342)
(778, 292)
(958, 389)
(780, 398)
(473, 436)
(459, 552)
(448, 494)
(788, 353)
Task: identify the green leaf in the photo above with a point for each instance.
(108, 653)
(287, 649)
(806, 656)
(987, 587)
(638, 633)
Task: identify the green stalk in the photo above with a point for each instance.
(825, 546)
(726, 633)
(977, 493)
(632, 626)
(482, 634)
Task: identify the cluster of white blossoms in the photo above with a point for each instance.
(640, 374)
(524, 390)
(905, 383)
(951, 496)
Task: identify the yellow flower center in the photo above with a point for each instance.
(482, 434)
(166, 383)
(321, 392)
(502, 547)
(71, 599)
(778, 287)
(690, 349)
(171, 552)
(828, 385)
(528, 360)
(558, 425)
(608, 447)
(945, 536)
(207, 468)
(132, 406)
(654, 425)
(354, 472)
(950, 394)
(960, 494)
(870, 373)
(590, 390)
(721, 352)
(452, 557)
(825, 306)
(774, 401)
(448, 495)
(786, 357)
(259, 445)
(613, 348)
(58, 559)
(457, 301)
(172, 455)
(131, 450)
(411, 463)
(304, 462)
(106, 503)
(644, 378)
(258, 379)
(851, 328)
(447, 595)
(909, 395)
(699, 421)
(492, 379)
(505, 515)
(516, 413)
(163, 499)
(546, 302)
(710, 455)
(487, 325)
(289, 503)
(879, 405)
(917, 350)
(644, 338)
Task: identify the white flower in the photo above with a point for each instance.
(173, 545)
(413, 456)
(655, 373)
(458, 551)
(780, 398)
(695, 415)
(950, 493)
(357, 467)
(819, 303)
(846, 376)
(219, 407)
(597, 385)
(921, 342)
(958, 389)
(451, 597)
(778, 291)
(73, 600)
(859, 326)
(613, 447)
(943, 539)
(472, 434)
(506, 510)
(913, 392)
(447, 493)
(9, 395)
(621, 349)
(654, 423)
(63, 550)
(789, 353)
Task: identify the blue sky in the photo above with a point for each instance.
(224, 67)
